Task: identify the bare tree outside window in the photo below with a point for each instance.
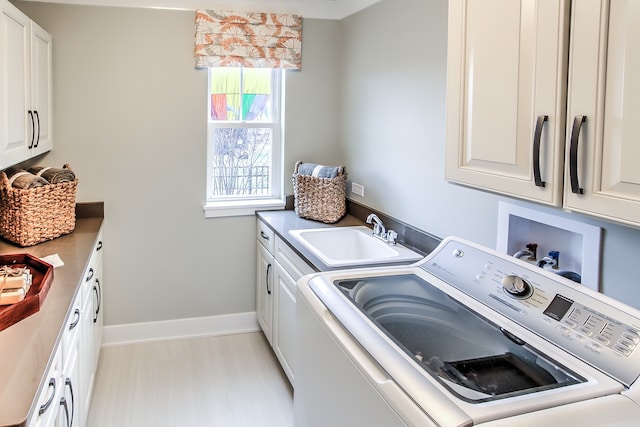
(242, 161)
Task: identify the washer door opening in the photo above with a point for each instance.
(471, 356)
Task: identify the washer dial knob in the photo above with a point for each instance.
(516, 286)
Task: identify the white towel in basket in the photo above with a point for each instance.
(318, 171)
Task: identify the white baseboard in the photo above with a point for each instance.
(181, 328)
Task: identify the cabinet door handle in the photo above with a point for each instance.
(35, 112)
(98, 291)
(573, 154)
(33, 129)
(63, 403)
(73, 324)
(536, 151)
(69, 384)
(266, 279)
(263, 235)
(99, 246)
(45, 405)
(90, 275)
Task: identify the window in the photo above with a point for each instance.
(244, 140)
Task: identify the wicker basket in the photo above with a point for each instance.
(31, 216)
(320, 199)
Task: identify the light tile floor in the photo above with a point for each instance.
(224, 381)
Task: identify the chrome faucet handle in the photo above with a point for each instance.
(391, 237)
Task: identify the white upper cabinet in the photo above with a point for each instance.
(15, 95)
(41, 99)
(25, 87)
(535, 116)
(603, 110)
(505, 96)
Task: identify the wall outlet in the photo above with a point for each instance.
(357, 189)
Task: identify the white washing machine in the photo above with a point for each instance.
(464, 337)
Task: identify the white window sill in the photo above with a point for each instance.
(240, 207)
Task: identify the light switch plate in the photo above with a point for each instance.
(357, 189)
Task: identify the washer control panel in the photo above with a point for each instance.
(603, 330)
(574, 318)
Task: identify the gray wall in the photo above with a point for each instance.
(130, 118)
(394, 70)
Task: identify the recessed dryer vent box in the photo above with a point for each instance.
(577, 243)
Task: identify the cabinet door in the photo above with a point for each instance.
(85, 353)
(41, 100)
(15, 125)
(69, 404)
(603, 177)
(289, 269)
(97, 300)
(264, 291)
(46, 412)
(284, 328)
(506, 96)
(92, 308)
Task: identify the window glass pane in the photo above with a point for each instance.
(241, 94)
(243, 132)
(241, 161)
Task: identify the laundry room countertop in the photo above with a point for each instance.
(26, 347)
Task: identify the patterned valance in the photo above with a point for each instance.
(246, 39)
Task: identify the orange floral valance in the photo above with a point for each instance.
(246, 39)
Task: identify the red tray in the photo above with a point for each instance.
(41, 279)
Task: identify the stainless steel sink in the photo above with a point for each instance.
(347, 246)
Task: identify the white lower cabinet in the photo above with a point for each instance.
(264, 280)
(68, 404)
(68, 410)
(65, 396)
(289, 268)
(91, 291)
(49, 395)
(278, 272)
(285, 320)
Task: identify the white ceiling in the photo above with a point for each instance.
(321, 9)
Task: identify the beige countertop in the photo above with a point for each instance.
(27, 346)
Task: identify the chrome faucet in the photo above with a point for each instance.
(380, 232)
(378, 226)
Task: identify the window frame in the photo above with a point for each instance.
(224, 206)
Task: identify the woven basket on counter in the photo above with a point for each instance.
(320, 199)
(31, 216)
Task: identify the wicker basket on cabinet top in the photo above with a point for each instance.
(320, 199)
(34, 215)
